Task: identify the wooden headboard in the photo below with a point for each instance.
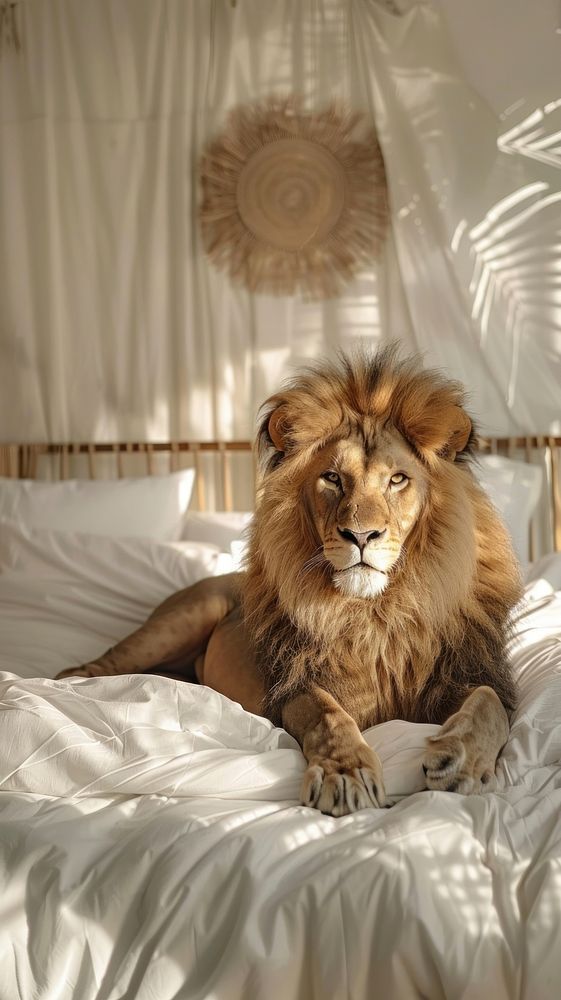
(218, 482)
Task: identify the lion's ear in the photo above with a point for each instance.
(452, 432)
(440, 429)
(461, 431)
(275, 428)
(274, 431)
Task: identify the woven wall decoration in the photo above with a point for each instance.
(293, 201)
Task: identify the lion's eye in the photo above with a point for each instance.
(398, 479)
(331, 477)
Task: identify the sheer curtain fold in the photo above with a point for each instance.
(112, 322)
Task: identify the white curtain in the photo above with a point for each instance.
(112, 322)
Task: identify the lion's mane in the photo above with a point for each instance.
(443, 620)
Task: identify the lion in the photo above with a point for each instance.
(379, 584)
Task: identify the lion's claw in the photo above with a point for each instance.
(457, 764)
(340, 791)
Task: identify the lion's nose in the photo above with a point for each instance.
(361, 538)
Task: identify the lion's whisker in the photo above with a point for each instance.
(316, 561)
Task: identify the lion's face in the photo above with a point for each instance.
(364, 495)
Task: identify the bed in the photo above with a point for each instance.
(151, 840)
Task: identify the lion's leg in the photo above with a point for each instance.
(229, 666)
(344, 774)
(463, 756)
(175, 632)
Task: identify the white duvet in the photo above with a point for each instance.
(152, 847)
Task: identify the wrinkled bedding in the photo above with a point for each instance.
(152, 846)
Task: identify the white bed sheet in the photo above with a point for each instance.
(151, 844)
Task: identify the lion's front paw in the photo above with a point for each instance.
(88, 670)
(457, 762)
(338, 788)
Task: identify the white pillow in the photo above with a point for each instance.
(65, 597)
(514, 488)
(227, 529)
(150, 506)
(139, 568)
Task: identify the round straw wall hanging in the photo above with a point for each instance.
(293, 201)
